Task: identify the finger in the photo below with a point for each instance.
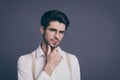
(60, 55)
(55, 49)
(48, 50)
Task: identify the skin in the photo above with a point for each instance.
(52, 37)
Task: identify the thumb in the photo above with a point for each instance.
(48, 50)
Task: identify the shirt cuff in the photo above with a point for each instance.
(44, 76)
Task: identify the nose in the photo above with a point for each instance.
(57, 35)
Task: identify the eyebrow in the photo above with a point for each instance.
(53, 29)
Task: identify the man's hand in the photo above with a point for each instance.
(53, 59)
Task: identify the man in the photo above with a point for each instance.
(48, 61)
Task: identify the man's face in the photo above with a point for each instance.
(54, 33)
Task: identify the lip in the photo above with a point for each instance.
(54, 41)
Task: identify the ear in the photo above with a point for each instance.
(41, 29)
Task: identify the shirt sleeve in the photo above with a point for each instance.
(24, 73)
(24, 70)
(76, 69)
(44, 76)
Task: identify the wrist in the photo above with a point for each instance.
(48, 69)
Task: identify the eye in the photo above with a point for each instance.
(62, 32)
(52, 30)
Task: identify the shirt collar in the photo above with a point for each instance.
(39, 52)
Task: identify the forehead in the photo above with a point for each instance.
(57, 25)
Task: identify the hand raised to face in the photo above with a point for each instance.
(53, 59)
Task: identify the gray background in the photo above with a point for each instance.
(93, 35)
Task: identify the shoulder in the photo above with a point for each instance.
(73, 60)
(24, 62)
(72, 57)
(25, 58)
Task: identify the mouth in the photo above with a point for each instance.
(54, 41)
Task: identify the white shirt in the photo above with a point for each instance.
(61, 72)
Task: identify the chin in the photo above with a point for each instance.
(54, 46)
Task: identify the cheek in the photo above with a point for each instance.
(48, 36)
(61, 37)
(48, 33)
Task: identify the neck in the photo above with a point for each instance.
(44, 48)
